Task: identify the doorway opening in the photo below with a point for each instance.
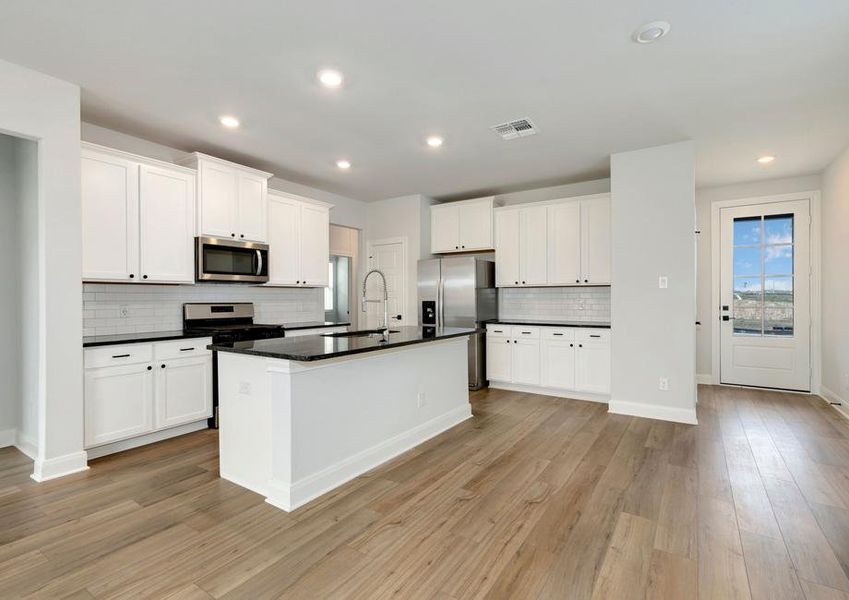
(337, 294)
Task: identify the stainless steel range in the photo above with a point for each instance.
(225, 322)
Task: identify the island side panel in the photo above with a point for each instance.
(350, 416)
(244, 411)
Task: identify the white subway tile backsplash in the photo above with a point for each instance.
(555, 303)
(160, 307)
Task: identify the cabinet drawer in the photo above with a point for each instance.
(502, 331)
(182, 348)
(525, 333)
(558, 333)
(113, 356)
(594, 335)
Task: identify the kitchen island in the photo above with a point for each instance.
(301, 416)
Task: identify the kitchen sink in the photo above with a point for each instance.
(361, 333)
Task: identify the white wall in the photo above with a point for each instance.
(39, 107)
(569, 190)
(401, 217)
(704, 198)
(653, 220)
(10, 362)
(835, 288)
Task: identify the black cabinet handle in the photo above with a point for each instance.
(120, 355)
(163, 366)
(241, 235)
(232, 235)
(580, 345)
(598, 336)
(186, 349)
(586, 280)
(515, 342)
(517, 283)
(299, 281)
(131, 276)
(523, 282)
(456, 247)
(149, 367)
(527, 332)
(577, 281)
(571, 345)
(144, 276)
(556, 334)
(508, 341)
(463, 246)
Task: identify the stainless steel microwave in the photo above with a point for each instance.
(220, 259)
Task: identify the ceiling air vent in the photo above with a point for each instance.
(515, 129)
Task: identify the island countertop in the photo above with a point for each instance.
(319, 347)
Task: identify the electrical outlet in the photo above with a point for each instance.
(245, 388)
(124, 311)
(421, 400)
(663, 384)
(581, 304)
(663, 282)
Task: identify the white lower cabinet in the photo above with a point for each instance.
(135, 389)
(562, 358)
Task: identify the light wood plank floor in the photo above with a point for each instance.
(535, 497)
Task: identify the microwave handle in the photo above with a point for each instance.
(258, 262)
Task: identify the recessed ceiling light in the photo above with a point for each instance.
(651, 32)
(765, 160)
(228, 121)
(330, 78)
(343, 164)
(434, 141)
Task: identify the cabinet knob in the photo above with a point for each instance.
(580, 345)
(577, 281)
(132, 276)
(462, 246)
(298, 281)
(144, 276)
(515, 342)
(517, 283)
(508, 341)
(232, 235)
(162, 366)
(149, 367)
(241, 235)
(586, 280)
(571, 345)
(523, 283)
(456, 247)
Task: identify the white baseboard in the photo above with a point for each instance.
(27, 445)
(653, 411)
(8, 437)
(290, 496)
(704, 379)
(143, 440)
(51, 468)
(834, 400)
(547, 391)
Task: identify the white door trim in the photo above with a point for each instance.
(405, 274)
(813, 196)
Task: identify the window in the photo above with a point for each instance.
(330, 290)
(763, 275)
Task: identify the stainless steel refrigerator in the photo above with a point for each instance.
(459, 292)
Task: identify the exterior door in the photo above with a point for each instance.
(389, 257)
(765, 295)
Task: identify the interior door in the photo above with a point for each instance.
(765, 295)
(166, 225)
(389, 257)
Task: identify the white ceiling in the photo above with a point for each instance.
(741, 78)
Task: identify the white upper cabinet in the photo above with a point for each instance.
(554, 243)
(595, 237)
(464, 226)
(564, 244)
(298, 240)
(110, 213)
(137, 218)
(166, 225)
(232, 199)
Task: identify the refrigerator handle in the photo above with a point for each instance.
(440, 297)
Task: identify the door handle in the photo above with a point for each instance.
(398, 317)
(258, 262)
(726, 318)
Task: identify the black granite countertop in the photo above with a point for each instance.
(529, 322)
(314, 325)
(320, 347)
(134, 338)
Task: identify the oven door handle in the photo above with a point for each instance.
(259, 262)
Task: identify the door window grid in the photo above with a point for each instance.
(763, 275)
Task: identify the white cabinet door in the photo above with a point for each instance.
(118, 403)
(475, 225)
(499, 359)
(444, 229)
(596, 241)
(564, 244)
(558, 364)
(218, 197)
(507, 255)
(166, 225)
(110, 228)
(526, 361)
(533, 247)
(183, 391)
(252, 208)
(284, 242)
(592, 366)
(315, 245)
